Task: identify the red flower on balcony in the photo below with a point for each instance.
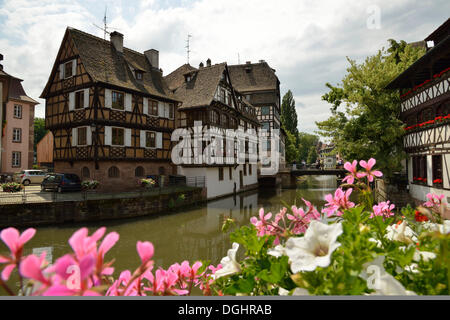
(437, 181)
(420, 217)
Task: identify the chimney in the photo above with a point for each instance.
(117, 41)
(201, 65)
(248, 62)
(153, 57)
(208, 62)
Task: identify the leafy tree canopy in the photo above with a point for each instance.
(364, 122)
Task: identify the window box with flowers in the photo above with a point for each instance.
(437, 183)
(420, 180)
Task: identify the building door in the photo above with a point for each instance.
(241, 180)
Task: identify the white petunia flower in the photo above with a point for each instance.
(315, 248)
(296, 292)
(229, 264)
(383, 282)
(401, 232)
(277, 252)
(425, 255)
(442, 228)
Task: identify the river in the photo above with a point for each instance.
(194, 234)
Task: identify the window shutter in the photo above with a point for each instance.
(61, 71)
(86, 97)
(71, 100)
(142, 139)
(127, 137)
(108, 98)
(161, 109)
(145, 106)
(74, 67)
(108, 136)
(88, 136)
(159, 140)
(74, 137)
(128, 102)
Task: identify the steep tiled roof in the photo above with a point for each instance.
(253, 77)
(105, 64)
(175, 79)
(17, 92)
(200, 90)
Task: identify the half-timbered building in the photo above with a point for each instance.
(261, 87)
(208, 96)
(425, 110)
(109, 110)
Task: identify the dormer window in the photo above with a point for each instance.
(139, 74)
(188, 78)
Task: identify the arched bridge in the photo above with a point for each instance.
(318, 172)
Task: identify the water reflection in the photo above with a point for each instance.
(194, 234)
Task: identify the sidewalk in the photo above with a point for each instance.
(33, 194)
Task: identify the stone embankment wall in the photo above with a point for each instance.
(35, 214)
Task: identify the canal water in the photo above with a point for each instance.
(193, 234)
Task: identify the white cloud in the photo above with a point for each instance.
(305, 41)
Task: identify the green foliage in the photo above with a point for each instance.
(305, 142)
(39, 130)
(289, 114)
(363, 241)
(292, 152)
(364, 122)
(312, 155)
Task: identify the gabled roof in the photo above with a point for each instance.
(175, 79)
(17, 92)
(253, 77)
(200, 90)
(104, 64)
(15, 89)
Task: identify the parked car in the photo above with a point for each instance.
(27, 177)
(61, 182)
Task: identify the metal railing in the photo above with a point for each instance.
(197, 181)
(35, 196)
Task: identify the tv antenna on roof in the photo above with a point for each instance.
(188, 47)
(105, 25)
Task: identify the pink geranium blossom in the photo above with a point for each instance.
(434, 200)
(351, 167)
(15, 242)
(383, 209)
(337, 204)
(369, 173)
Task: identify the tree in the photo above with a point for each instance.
(312, 155)
(39, 130)
(367, 125)
(289, 114)
(305, 142)
(292, 152)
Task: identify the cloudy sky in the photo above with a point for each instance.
(306, 41)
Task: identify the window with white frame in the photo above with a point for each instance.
(150, 139)
(17, 135)
(18, 111)
(68, 69)
(118, 136)
(16, 158)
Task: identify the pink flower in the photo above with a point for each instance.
(338, 203)
(15, 243)
(383, 209)
(433, 200)
(145, 250)
(351, 167)
(31, 267)
(261, 225)
(369, 173)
